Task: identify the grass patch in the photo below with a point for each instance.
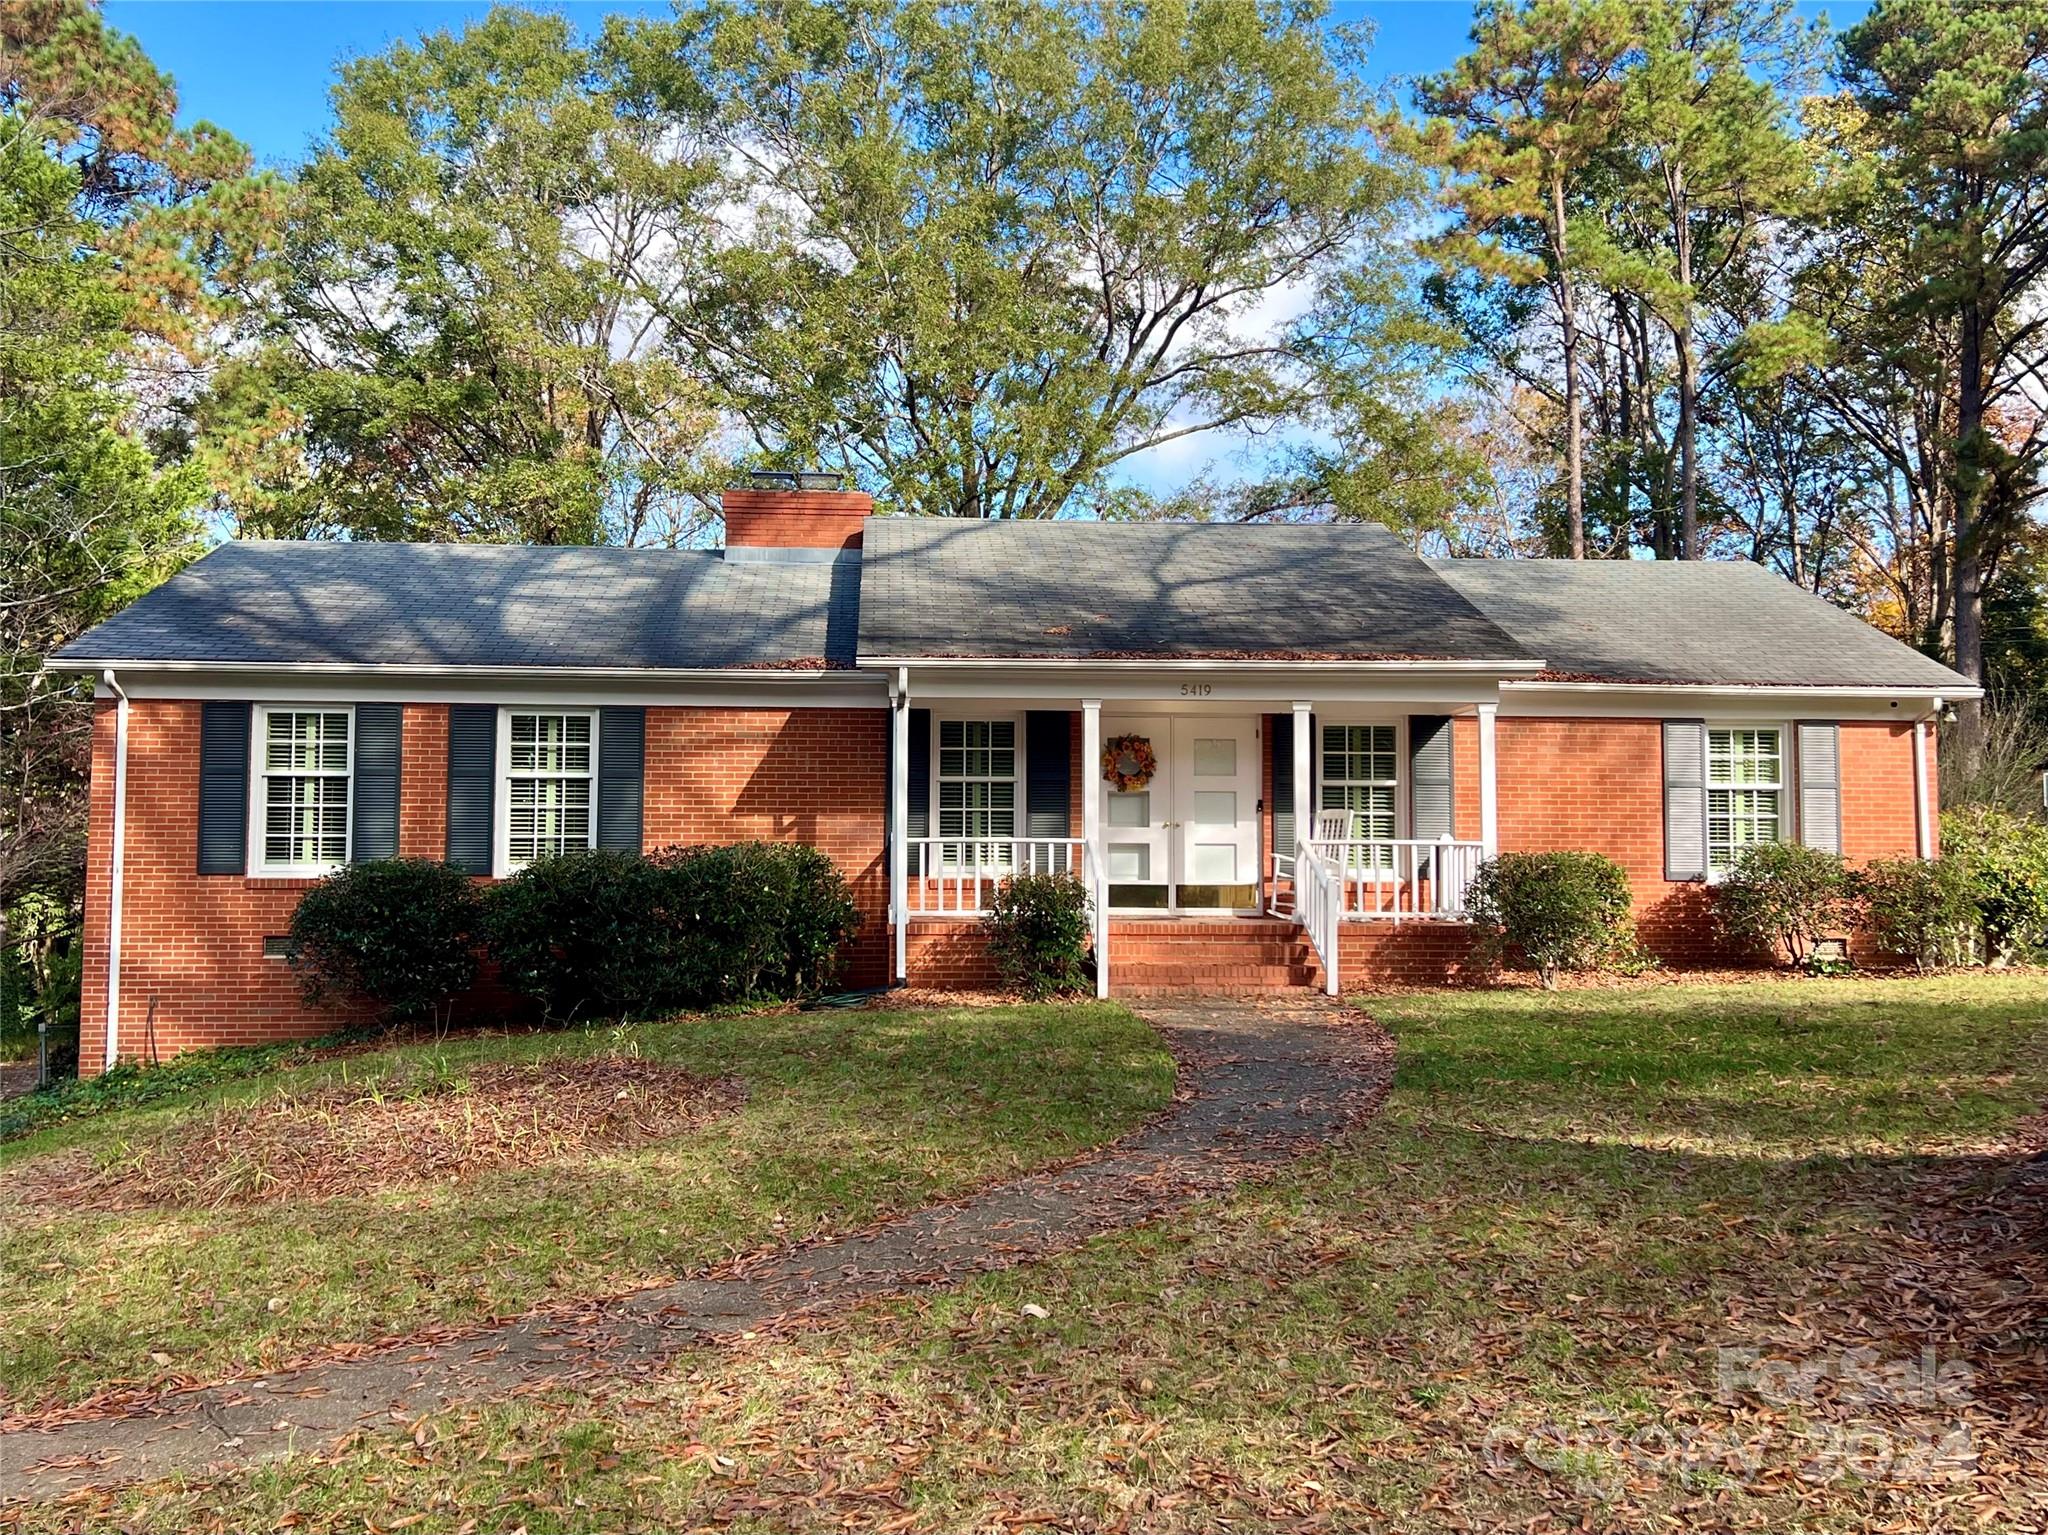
(1502, 1304)
(847, 1116)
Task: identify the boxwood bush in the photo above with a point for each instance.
(756, 920)
(1555, 911)
(619, 935)
(399, 934)
(586, 934)
(1037, 928)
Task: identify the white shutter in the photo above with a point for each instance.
(1820, 784)
(1685, 799)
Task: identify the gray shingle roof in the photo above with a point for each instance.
(935, 588)
(1075, 590)
(486, 605)
(1719, 621)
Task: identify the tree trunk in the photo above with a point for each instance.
(1968, 584)
(1688, 379)
(1574, 425)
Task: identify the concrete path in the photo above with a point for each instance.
(1260, 1082)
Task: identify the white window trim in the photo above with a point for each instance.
(1018, 780)
(1401, 785)
(1787, 791)
(502, 866)
(259, 866)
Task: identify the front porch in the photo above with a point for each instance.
(1246, 843)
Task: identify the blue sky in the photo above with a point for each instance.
(261, 68)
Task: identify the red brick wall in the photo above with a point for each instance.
(1598, 785)
(781, 775)
(195, 942)
(795, 519)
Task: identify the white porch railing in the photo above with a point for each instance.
(956, 876)
(1392, 880)
(1319, 899)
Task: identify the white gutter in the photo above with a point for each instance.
(116, 877)
(410, 669)
(1190, 664)
(1748, 690)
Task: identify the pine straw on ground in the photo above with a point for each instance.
(428, 1125)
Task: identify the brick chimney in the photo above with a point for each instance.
(794, 511)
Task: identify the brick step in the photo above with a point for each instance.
(1260, 956)
(1198, 975)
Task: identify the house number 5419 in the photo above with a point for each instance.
(1197, 689)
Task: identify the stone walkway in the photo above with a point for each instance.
(1260, 1082)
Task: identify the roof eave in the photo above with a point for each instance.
(1956, 692)
(1505, 668)
(768, 671)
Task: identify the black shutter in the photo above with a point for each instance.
(472, 782)
(621, 770)
(373, 830)
(1431, 802)
(1280, 728)
(1048, 779)
(920, 775)
(224, 788)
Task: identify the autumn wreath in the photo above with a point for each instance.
(1129, 762)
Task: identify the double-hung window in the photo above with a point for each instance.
(549, 759)
(301, 790)
(1359, 776)
(1745, 792)
(977, 780)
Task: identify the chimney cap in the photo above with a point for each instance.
(795, 479)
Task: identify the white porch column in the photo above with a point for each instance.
(1304, 774)
(1091, 778)
(1923, 815)
(1489, 806)
(899, 823)
(1091, 833)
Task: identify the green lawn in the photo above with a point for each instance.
(1502, 1304)
(848, 1116)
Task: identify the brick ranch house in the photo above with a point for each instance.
(930, 702)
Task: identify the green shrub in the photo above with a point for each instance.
(1784, 896)
(399, 933)
(611, 935)
(1037, 928)
(2005, 858)
(1925, 910)
(586, 934)
(756, 920)
(1556, 911)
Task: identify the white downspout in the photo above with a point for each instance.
(1923, 812)
(899, 821)
(116, 874)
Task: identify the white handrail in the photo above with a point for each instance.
(1319, 901)
(1401, 879)
(955, 876)
(1098, 902)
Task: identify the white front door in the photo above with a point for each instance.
(1137, 826)
(1188, 840)
(1216, 782)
